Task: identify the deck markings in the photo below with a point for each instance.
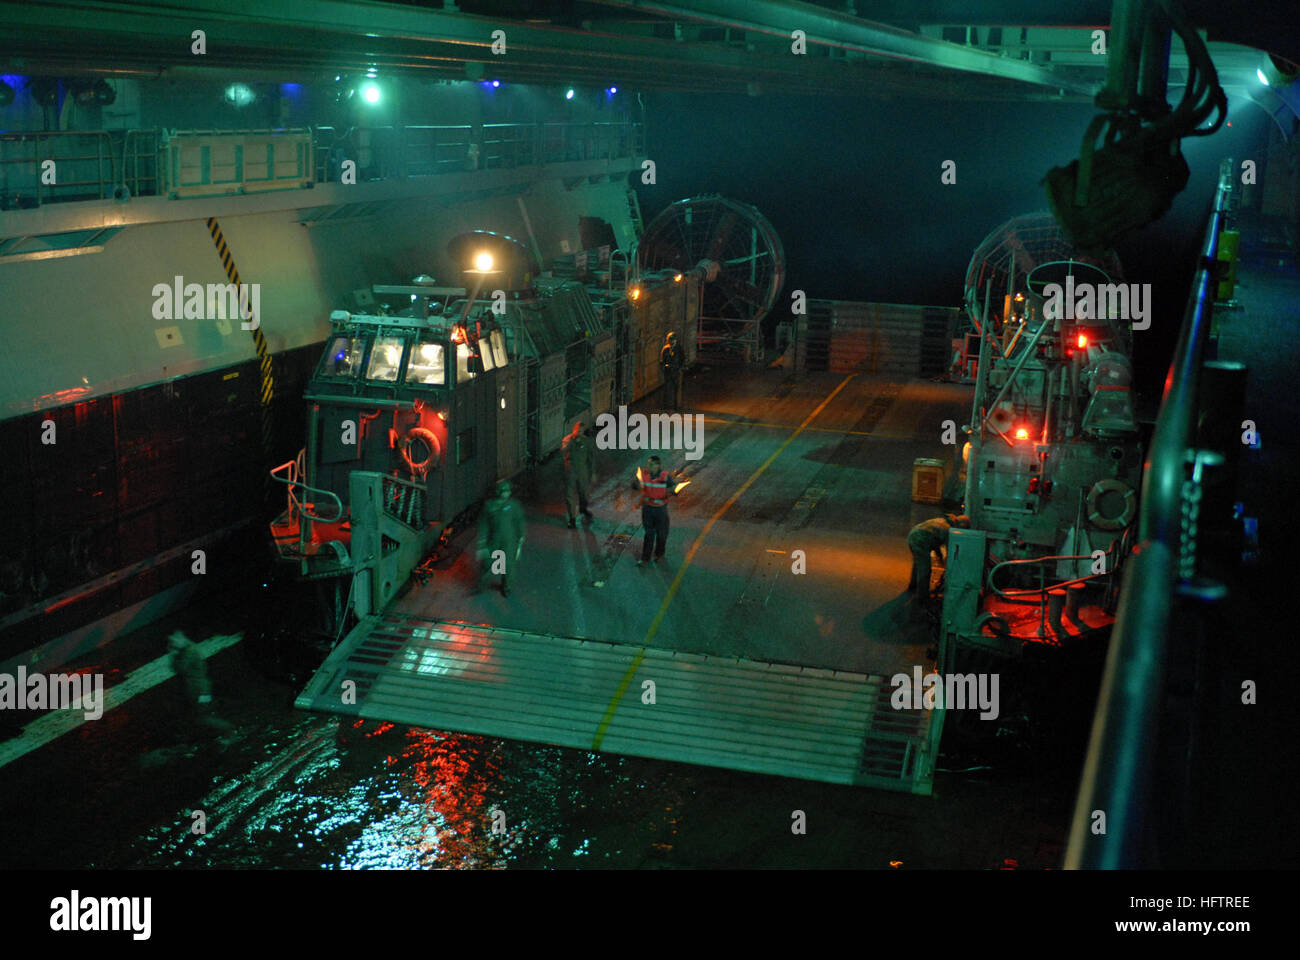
(56, 723)
(690, 555)
(785, 426)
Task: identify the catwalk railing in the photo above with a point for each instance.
(1122, 753)
(120, 164)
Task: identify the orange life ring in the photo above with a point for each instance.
(431, 441)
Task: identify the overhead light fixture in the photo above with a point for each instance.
(240, 94)
(1277, 71)
(371, 93)
(613, 90)
(483, 261)
(568, 94)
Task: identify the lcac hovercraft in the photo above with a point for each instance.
(402, 423)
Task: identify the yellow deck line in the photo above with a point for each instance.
(690, 555)
(786, 426)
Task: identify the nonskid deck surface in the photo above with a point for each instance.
(820, 465)
(827, 725)
(839, 492)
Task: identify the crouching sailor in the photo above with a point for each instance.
(927, 538)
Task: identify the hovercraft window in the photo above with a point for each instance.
(385, 359)
(344, 357)
(427, 365)
(498, 341)
(463, 372)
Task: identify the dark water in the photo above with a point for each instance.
(288, 789)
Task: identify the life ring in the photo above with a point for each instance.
(1001, 419)
(429, 440)
(1099, 490)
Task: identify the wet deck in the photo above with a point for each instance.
(772, 627)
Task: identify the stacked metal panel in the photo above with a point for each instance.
(891, 339)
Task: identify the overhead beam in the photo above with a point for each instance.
(828, 28)
(323, 33)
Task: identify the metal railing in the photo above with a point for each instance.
(87, 165)
(296, 508)
(404, 501)
(103, 164)
(1121, 753)
(427, 150)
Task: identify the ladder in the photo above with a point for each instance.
(634, 214)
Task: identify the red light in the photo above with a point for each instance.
(1022, 433)
(458, 334)
(1083, 341)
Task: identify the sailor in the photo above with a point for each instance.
(656, 487)
(927, 538)
(500, 536)
(188, 664)
(670, 358)
(954, 488)
(579, 465)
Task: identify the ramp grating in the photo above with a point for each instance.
(756, 716)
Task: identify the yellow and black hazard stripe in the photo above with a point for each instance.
(259, 339)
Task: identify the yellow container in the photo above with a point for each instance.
(927, 480)
(1229, 243)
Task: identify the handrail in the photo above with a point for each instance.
(97, 162)
(296, 506)
(1117, 773)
